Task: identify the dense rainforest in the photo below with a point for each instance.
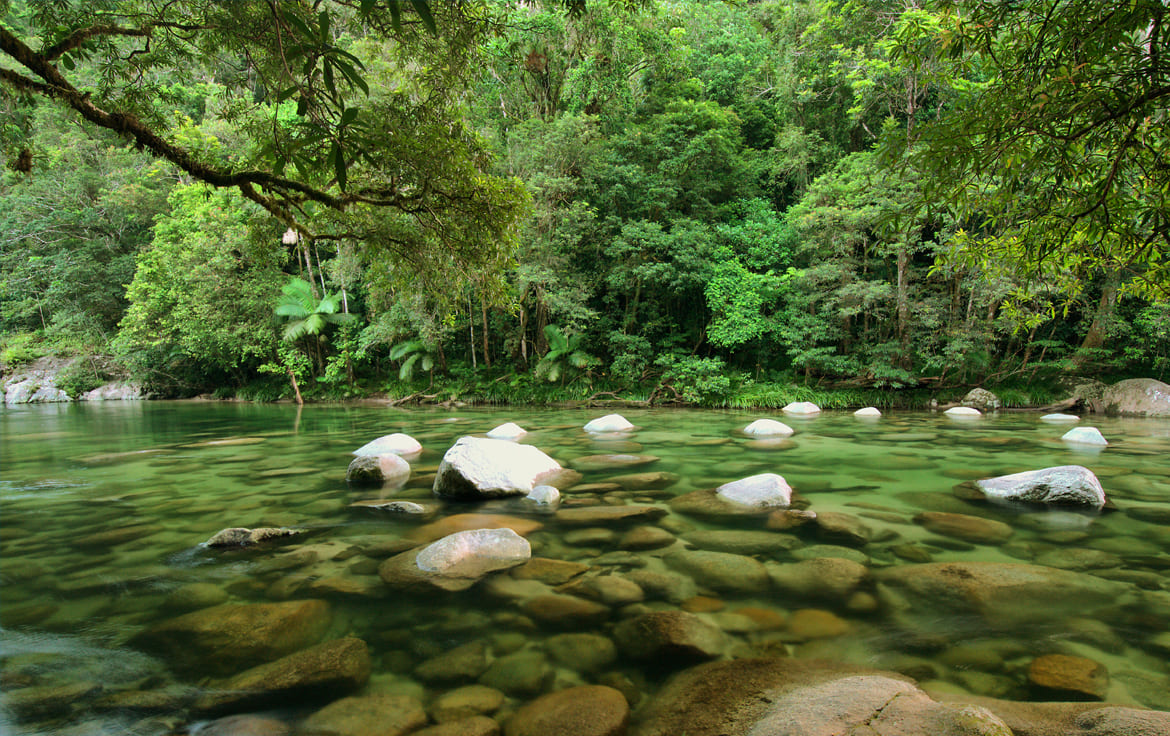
(721, 202)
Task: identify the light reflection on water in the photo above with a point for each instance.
(104, 509)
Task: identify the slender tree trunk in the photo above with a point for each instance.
(487, 358)
(296, 389)
(1095, 337)
(903, 303)
(471, 332)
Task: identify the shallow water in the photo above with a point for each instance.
(103, 509)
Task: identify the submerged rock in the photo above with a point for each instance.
(1058, 418)
(609, 423)
(768, 428)
(869, 411)
(721, 571)
(457, 561)
(544, 496)
(1002, 593)
(1062, 677)
(1063, 485)
(1085, 436)
(588, 710)
(377, 714)
(391, 444)
(323, 672)
(823, 578)
(963, 526)
(225, 638)
(669, 636)
(475, 468)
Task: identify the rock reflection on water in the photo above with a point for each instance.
(642, 572)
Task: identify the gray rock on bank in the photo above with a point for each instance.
(1063, 485)
(981, 399)
(1143, 397)
(476, 468)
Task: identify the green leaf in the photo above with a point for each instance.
(422, 7)
(348, 115)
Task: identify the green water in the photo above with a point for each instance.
(103, 510)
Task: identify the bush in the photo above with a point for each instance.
(80, 376)
(19, 349)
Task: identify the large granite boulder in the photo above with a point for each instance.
(457, 561)
(981, 399)
(224, 639)
(1003, 594)
(1063, 485)
(588, 710)
(1143, 397)
(476, 468)
(320, 673)
(763, 491)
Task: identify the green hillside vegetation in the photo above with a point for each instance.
(722, 203)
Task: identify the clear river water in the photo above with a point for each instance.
(104, 510)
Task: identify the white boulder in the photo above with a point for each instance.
(391, 444)
(609, 423)
(1063, 485)
(1058, 418)
(1085, 436)
(477, 468)
(544, 496)
(802, 408)
(373, 469)
(767, 428)
(474, 553)
(963, 411)
(766, 490)
(507, 431)
(869, 411)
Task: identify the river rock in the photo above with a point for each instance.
(869, 411)
(376, 469)
(391, 444)
(669, 636)
(790, 697)
(241, 537)
(609, 423)
(802, 408)
(583, 652)
(963, 526)
(244, 724)
(476, 468)
(721, 571)
(565, 611)
(448, 525)
(466, 702)
(768, 428)
(816, 623)
(193, 596)
(1063, 677)
(841, 528)
(507, 431)
(612, 461)
(963, 411)
(667, 586)
(223, 639)
(601, 515)
(649, 481)
(823, 578)
(742, 542)
(523, 674)
(473, 726)
(764, 491)
(544, 496)
(981, 399)
(588, 710)
(1003, 594)
(707, 502)
(1063, 485)
(612, 590)
(1085, 436)
(1060, 418)
(377, 714)
(1137, 397)
(646, 537)
(457, 561)
(323, 672)
(389, 506)
(464, 663)
(549, 571)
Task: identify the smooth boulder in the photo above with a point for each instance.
(869, 411)
(762, 491)
(768, 428)
(1063, 485)
(377, 469)
(1085, 436)
(1143, 397)
(588, 710)
(507, 431)
(391, 444)
(609, 423)
(476, 468)
(963, 411)
(802, 408)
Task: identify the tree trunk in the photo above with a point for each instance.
(903, 303)
(487, 358)
(1095, 337)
